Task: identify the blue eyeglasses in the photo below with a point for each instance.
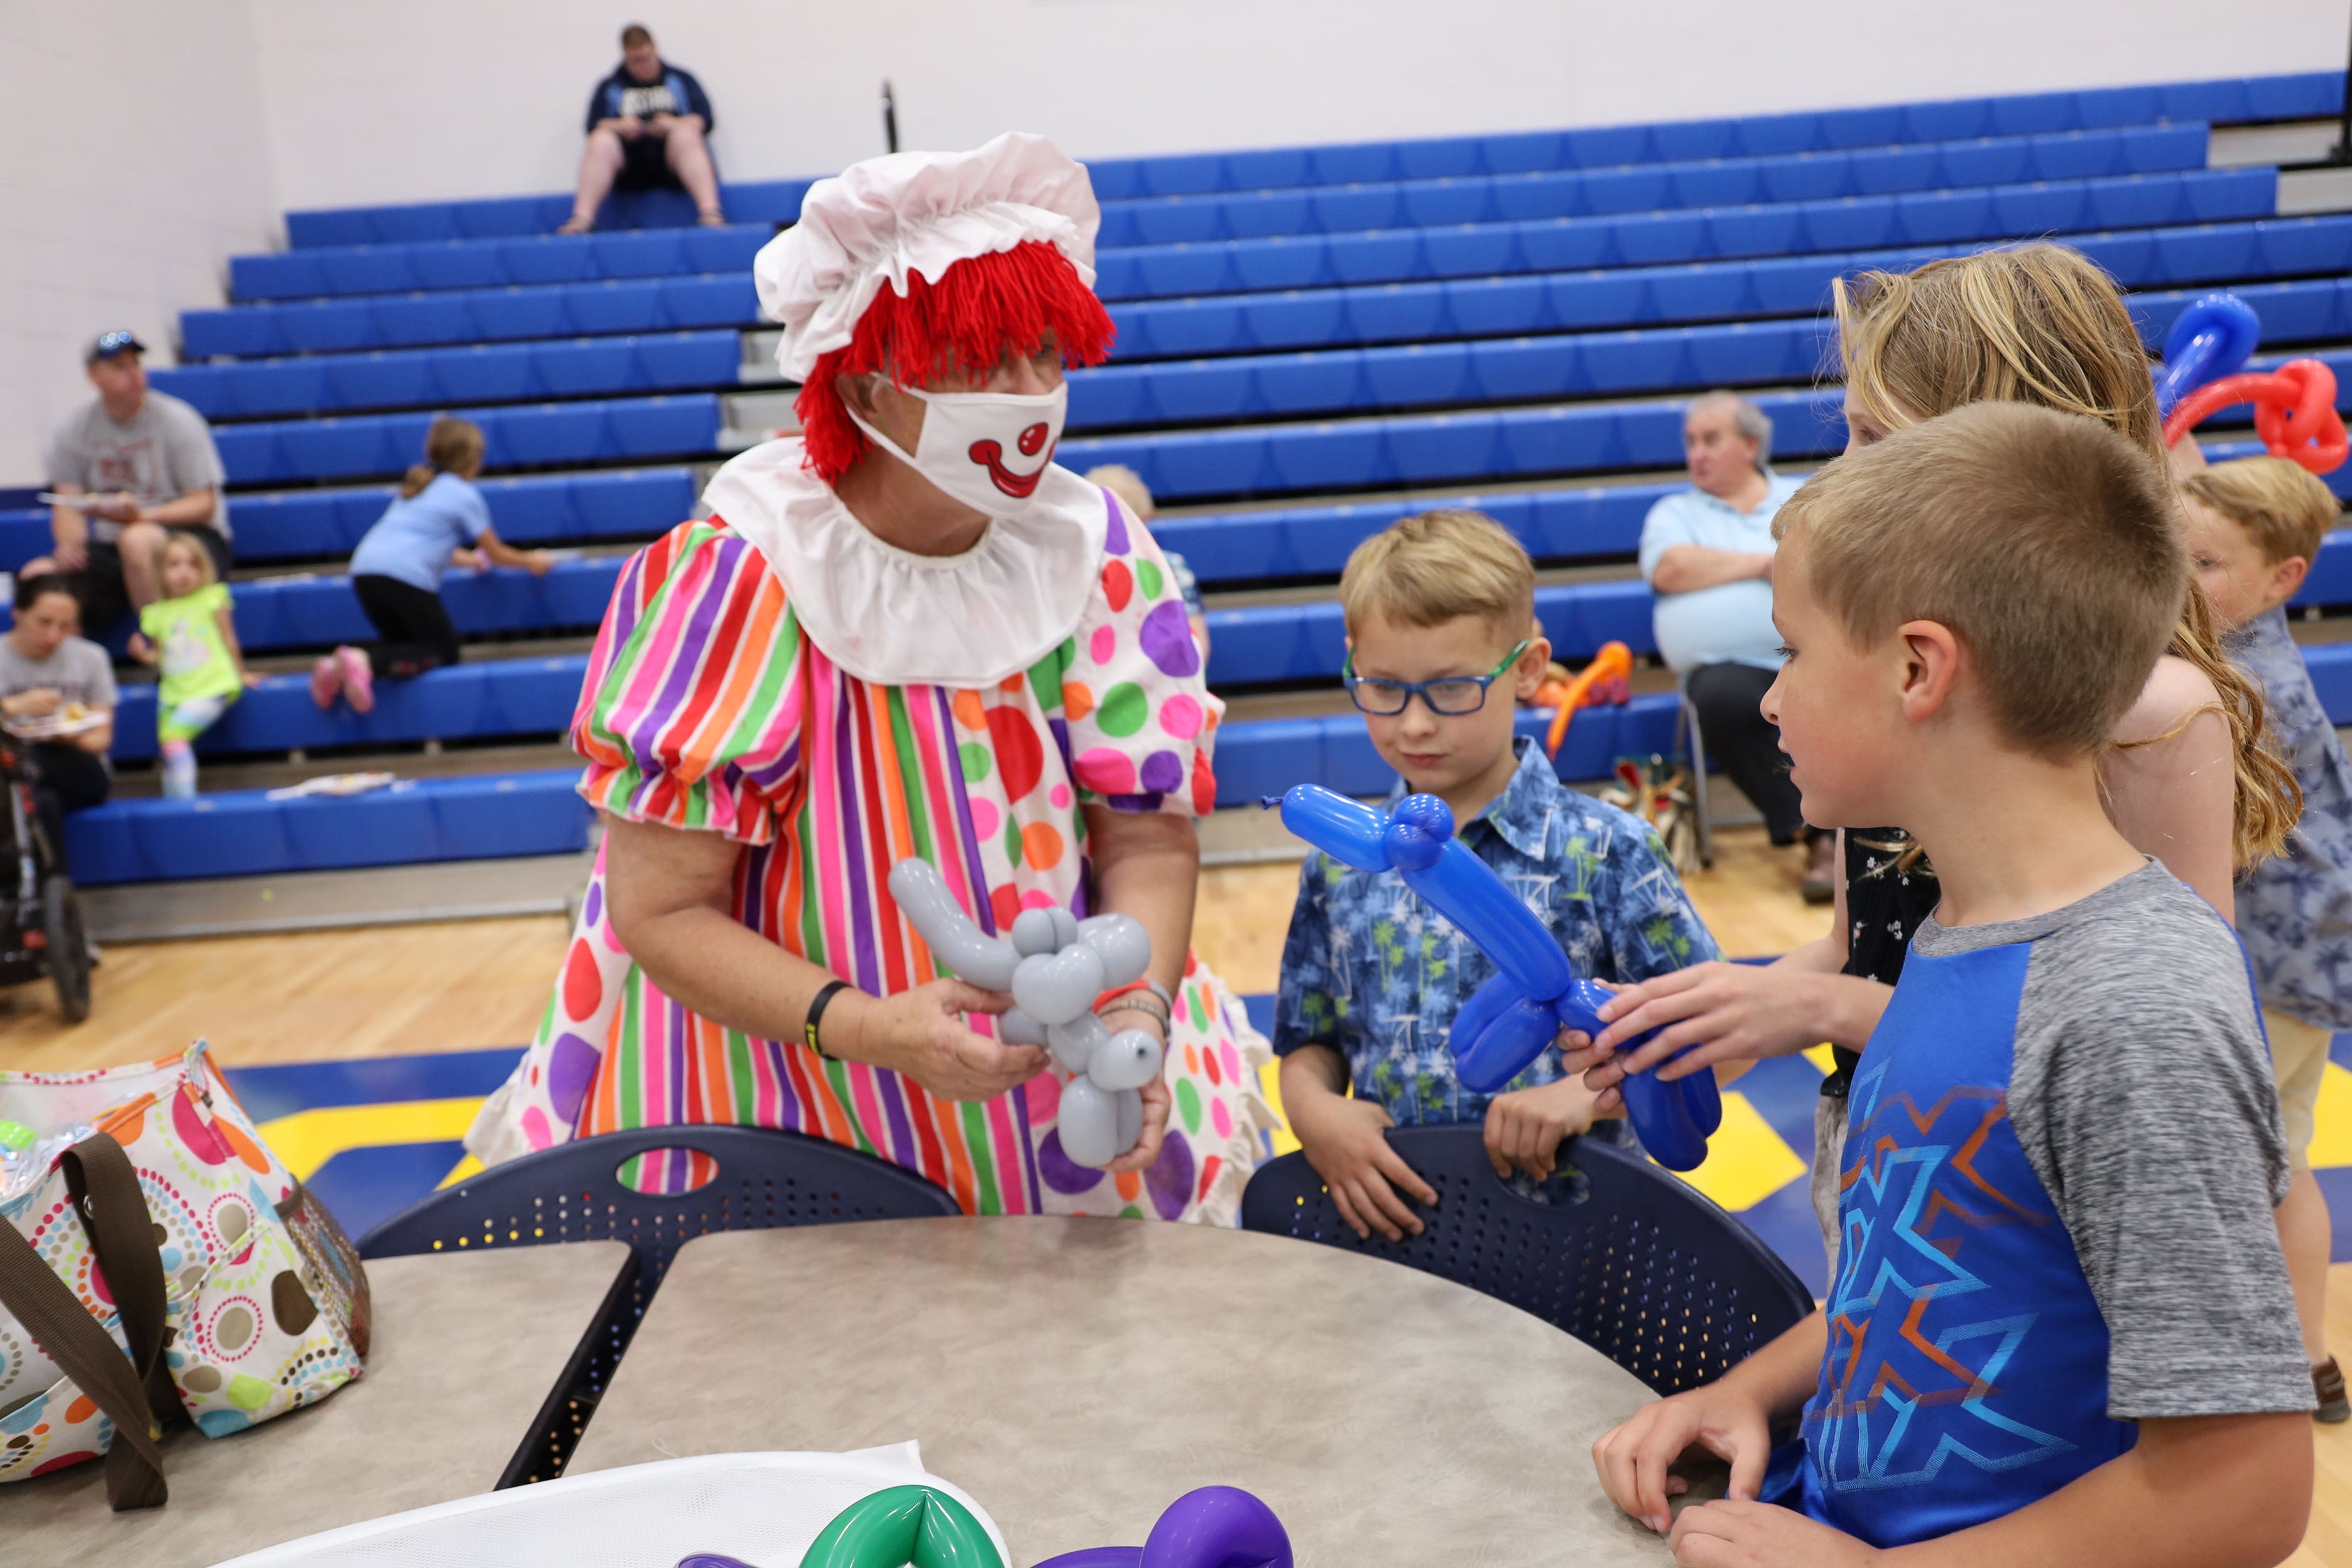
(1453, 696)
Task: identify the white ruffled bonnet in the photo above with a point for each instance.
(877, 221)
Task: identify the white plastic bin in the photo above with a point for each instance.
(765, 1510)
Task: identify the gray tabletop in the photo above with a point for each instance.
(466, 1347)
(1076, 1376)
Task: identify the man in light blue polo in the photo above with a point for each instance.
(1707, 552)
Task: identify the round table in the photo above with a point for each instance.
(466, 1347)
(1077, 1376)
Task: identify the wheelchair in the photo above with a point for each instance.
(41, 931)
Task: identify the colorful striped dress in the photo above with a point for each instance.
(708, 707)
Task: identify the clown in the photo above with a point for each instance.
(905, 631)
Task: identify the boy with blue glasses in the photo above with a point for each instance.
(1443, 648)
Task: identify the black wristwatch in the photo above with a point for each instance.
(816, 1007)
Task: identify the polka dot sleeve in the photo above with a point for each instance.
(1142, 723)
(690, 714)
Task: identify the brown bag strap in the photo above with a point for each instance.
(105, 1190)
(122, 1233)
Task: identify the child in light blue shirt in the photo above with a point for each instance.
(438, 518)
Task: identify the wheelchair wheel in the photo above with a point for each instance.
(66, 953)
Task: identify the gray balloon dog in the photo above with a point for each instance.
(1054, 965)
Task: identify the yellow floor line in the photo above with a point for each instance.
(307, 1139)
(1747, 1161)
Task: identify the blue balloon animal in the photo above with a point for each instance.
(1509, 1020)
(2212, 338)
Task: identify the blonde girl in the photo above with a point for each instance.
(2190, 779)
(190, 634)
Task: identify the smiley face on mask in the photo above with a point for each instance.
(987, 449)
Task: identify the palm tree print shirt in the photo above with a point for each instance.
(1377, 975)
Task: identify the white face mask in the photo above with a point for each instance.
(987, 449)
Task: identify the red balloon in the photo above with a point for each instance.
(2295, 412)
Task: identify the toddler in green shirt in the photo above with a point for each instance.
(190, 637)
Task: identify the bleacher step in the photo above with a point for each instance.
(2304, 192)
(2284, 143)
(548, 885)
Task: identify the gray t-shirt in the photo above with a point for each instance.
(164, 451)
(2141, 1093)
(80, 672)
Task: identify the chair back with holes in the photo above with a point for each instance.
(1622, 1255)
(767, 1179)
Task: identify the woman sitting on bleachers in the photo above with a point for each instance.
(905, 633)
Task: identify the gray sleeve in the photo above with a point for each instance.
(65, 464)
(188, 450)
(101, 678)
(2141, 1092)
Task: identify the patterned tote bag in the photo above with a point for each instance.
(157, 1263)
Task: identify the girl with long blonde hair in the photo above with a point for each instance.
(2191, 778)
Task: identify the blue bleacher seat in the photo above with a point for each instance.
(244, 833)
(1650, 240)
(492, 263)
(505, 698)
(1185, 328)
(363, 445)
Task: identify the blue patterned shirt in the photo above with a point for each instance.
(2294, 911)
(1375, 973)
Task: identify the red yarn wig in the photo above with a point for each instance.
(980, 309)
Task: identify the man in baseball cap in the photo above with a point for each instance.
(129, 466)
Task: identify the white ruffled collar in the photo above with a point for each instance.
(891, 617)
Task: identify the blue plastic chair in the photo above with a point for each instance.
(766, 1180)
(1613, 1251)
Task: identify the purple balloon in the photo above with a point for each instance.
(1214, 1527)
(1166, 639)
(1217, 1527)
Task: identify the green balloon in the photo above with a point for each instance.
(904, 1527)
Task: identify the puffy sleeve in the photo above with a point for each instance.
(690, 713)
(1142, 723)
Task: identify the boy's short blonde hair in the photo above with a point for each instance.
(2285, 508)
(1436, 566)
(2048, 543)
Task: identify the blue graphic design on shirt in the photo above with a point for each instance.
(1965, 1374)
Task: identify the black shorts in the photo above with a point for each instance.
(100, 586)
(644, 165)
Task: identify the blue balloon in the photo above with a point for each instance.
(2212, 338)
(1509, 1021)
